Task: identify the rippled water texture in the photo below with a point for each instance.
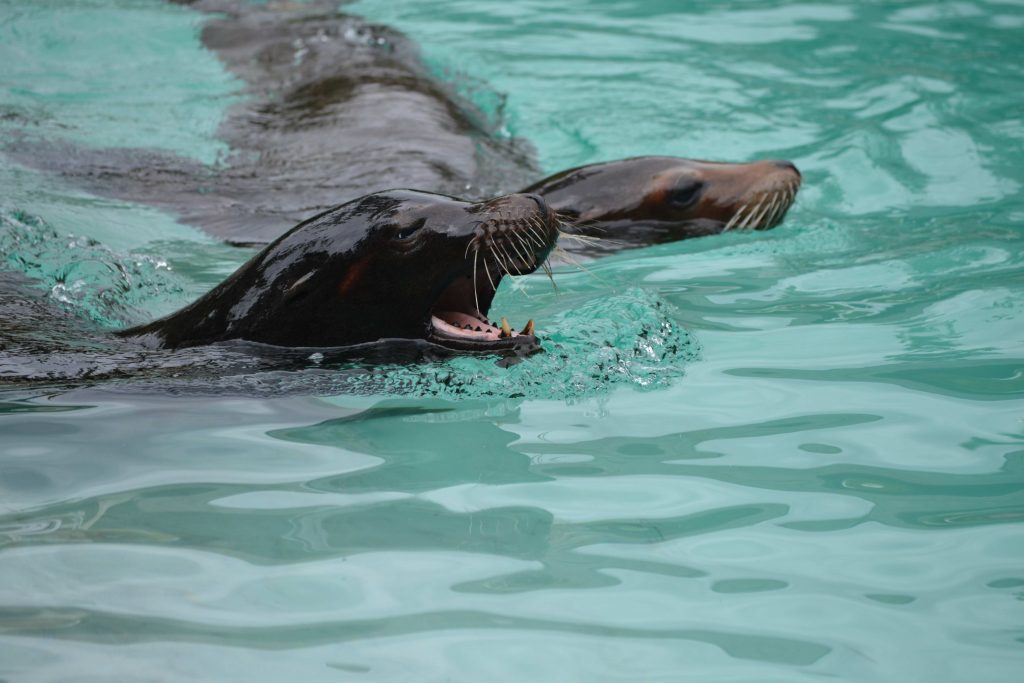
(824, 478)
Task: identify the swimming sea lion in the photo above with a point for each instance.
(390, 265)
(338, 108)
(648, 200)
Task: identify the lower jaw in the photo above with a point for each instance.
(518, 345)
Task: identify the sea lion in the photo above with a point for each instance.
(400, 264)
(338, 108)
(647, 200)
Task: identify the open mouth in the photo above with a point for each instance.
(502, 246)
(456, 321)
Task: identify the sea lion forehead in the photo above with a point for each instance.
(394, 205)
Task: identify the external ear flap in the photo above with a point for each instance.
(296, 290)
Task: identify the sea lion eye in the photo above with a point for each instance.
(408, 230)
(686, 194)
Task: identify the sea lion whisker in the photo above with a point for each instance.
(586, 239)
(476, 292)
(590, 223)
(777, 204)
(515, 248)
(735, 218)
(535, 234)
(769, 210)
(750, 221)
(562, 253)
(505, 264)
(784, 204)
(497, 260)
(531, 257)
(538, 233)
(742, 225)
(506, 249)
(551, 276)
(487, 270)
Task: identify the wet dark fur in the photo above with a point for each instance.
(375, 268)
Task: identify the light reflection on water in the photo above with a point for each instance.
(833, 486)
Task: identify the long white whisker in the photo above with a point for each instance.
(487, 270)
(508, 264)
(587, 239)
(514, 248)
(476, 295)
(562, 253)
(768, 210)
(776, 212)
(530, 253)
(735, 218)
(551, 276)
(534, 234)
(493, 246)
(748, 222)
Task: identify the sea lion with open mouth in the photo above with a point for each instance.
(395, 265)
(654, 199)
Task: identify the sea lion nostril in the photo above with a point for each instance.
(787, 166)
(541, 204)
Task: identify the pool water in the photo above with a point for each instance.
(783, 456)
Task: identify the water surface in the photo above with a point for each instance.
(815, 469)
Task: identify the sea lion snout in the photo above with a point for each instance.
(519, 231)
(786, 165)
(756, 196)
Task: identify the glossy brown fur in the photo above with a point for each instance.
(646, 200)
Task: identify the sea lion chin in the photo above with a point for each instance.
(394, 265)
(652, 199)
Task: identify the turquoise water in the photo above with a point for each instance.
(815, 471)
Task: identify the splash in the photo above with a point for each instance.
(82, 275)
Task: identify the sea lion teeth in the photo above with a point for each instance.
(506, 330)
(528, 329)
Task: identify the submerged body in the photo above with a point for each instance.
(334, 108)
(337, 108)
(390, 265)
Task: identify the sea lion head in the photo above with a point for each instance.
(399, 264)
(660, 199)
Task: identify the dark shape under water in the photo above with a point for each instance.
(335, 108)
(339, 108)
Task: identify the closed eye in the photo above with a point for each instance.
(407, 231)
(686, 194)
